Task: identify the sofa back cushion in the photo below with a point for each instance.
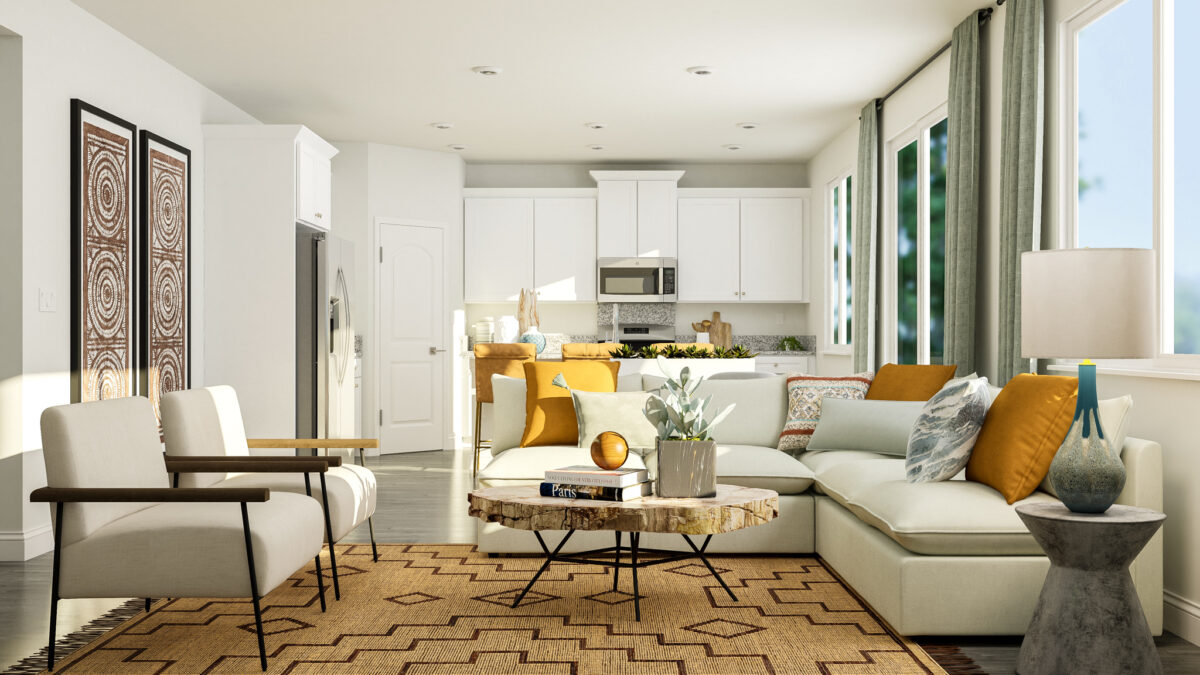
(619, 411)
(508, 410)
(549, 410)
(1022, 431)
(910, 382)
(804, 396)
(759, 412)
(875, 426)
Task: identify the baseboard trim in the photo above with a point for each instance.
(20, 545)
(1181, 616)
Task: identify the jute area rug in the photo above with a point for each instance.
(436, 608)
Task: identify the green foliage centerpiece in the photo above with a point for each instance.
(687, 454)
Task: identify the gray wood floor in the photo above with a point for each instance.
(421, 499)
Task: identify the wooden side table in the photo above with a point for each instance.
(1088, 617)
(523, 508)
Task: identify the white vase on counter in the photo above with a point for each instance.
(507, 329)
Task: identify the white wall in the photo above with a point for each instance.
(372, 181)
(67, 53)
(697, 175)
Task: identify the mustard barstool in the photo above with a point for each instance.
(589, 351)
(495, 358)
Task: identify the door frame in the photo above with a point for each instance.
(447, 325)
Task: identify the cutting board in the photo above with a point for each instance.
(720, 332)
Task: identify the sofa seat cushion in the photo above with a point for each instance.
(846, 480)
(528, 466)
(821, 460)
(755, 466)
(352, 491)
(953, 517)
(190, 550)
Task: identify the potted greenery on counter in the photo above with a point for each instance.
(687, 454)
(689, 352)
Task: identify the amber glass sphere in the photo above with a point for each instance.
(609, 450)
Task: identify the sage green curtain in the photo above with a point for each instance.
(1021, 132)
(962, 194)
(866, 225)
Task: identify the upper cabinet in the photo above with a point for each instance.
(544, 243)
(314, 182)
(636, 213)
(742, 249)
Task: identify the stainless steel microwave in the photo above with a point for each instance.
(636, 280)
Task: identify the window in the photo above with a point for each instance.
(1130, 75)
(841, 253)
(917, 234)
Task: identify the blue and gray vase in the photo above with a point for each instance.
(534, 337)
(1087, 472)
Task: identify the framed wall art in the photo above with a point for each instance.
(164, 266)
(103, 246)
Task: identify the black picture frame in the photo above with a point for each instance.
(85, 385)
(149, 376)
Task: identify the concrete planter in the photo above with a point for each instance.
(686, 469)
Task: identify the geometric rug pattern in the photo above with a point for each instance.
(439, 608)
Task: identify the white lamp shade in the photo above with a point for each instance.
(1096, 303)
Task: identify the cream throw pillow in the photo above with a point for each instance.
(620, 412)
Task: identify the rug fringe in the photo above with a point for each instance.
(68, 644)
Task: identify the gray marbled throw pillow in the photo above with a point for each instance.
(945, 432)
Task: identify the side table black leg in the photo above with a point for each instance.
(634, 541)
(700, 554)
(617, 560)
(549, 559)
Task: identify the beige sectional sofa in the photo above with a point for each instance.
(947, 558)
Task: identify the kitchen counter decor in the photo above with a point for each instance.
(687, 454)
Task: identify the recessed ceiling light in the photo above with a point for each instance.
(442, 125)
(732, 146)
(595, 125)
(456, 147)
(487, 70)
(595, 147)
(747, 125)
(700, 70)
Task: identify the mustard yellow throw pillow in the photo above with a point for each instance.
(549, 409)
(895, 382)
(1022, 431)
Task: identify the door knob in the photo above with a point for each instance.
(435, 350)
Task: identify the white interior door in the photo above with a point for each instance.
(413, 358)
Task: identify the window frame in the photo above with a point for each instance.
(837, 289)
(1163, 160)
(890, 269)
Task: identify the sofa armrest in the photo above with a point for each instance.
(1143, 474)
(85, 494)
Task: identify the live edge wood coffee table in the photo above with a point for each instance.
(522, 508)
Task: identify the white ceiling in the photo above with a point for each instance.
(383, 70)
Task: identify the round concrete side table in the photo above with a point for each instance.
(1088, 617)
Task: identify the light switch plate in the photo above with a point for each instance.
(47, 300)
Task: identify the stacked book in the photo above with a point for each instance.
(589, 482)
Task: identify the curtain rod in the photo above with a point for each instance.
(983, 18)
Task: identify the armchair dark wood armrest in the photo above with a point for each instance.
(334, 460)
(246, 465)
(86, 494)
(312, 443)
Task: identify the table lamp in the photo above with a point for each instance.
(1092, 303)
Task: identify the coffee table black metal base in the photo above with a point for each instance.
(592, 558)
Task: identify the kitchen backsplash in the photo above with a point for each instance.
(660, 313)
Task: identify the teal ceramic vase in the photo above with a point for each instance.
(1087, 472)
(534, 337)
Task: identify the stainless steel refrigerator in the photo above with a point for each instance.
(325, 329)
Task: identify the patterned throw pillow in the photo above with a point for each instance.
(804, 404)
(945, 432)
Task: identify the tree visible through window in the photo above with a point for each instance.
(841, 237)
(921, 246)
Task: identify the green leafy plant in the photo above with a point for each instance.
(676, 352)
(790, 343)
(649, 352)
(739, 352)
(626, 352)
(677, 413)
(694, 352)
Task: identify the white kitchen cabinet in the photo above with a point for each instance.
(772, 250)
(656, 218)
(313, 184)
(564, 249)
(784, 365)
(616, 218)
(708, 250)
(497, 248)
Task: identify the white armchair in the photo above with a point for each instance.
(120, 530)
(208, 423)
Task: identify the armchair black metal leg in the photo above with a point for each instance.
(374, 548)
(262, 647)
(475, 440)
(58, 519)
(617, 560)
(337, 590)
(175, 481)
(320, 574)
(147, 604)
(635, 540)
(362, 459)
